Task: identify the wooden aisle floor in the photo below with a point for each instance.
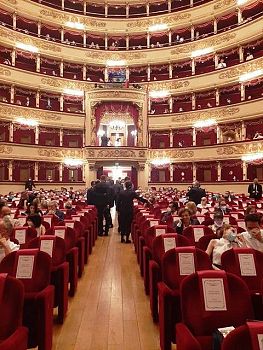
(110, 310)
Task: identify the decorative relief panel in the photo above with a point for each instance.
(12, 112)
(242, 69)
(62, 84)
(173, 85)
(5, 72)
(116, 94)
(170, 20)
(54, 153)
(6, 149)
(172, 154)
(224, 3)
(217, 114)
(241, 149)
(116, 153)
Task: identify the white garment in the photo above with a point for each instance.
(221, 65)
(221, 246)
(12, 246)
(252, 242)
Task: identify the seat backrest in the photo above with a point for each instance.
(204, 241)
(246, 263)
(11, 305)
(155, 231)
(53, 245)
(195, 232)
(31, 266)
(214, 299)
(66, 233)
(159, 245)
(182, 261)
(23, 235)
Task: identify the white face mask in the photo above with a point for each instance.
(230, 235)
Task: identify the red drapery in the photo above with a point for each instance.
(206, 171)
(183, 172)
(231, 170)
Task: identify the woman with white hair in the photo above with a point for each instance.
(6, 246)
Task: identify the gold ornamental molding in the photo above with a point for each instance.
(172, 154)
(242, 69)
(170, 85)
(223, 4)
(127, 94)
(5, 72)
(66, 83)
(241, 149)
(170, 20)
(116, 153)
(54, 153)
(217, 114)
(6, 149)
(109, 55)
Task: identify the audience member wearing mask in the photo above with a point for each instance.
(217, 247)
(185, 220)
(35, 222)
(53, 210)
(203, 206)
(253, 237)
(6, 246)
(221, 205)
(172, 209)
(218, 221)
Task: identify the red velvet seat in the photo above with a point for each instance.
(204, 241)
(144, 224)
(56, 248)
(149, 236)
(89, 234)
(155, 271)
(69, 235)
(235, 260)
(244, 337)
(173, 273)
(12, 335)
(229, 306)
(23, 235)
(39, 294)
(195, 232)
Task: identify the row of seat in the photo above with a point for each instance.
(45, 270)
(171, 264)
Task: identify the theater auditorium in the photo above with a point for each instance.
(131, 163)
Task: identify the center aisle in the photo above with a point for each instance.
(110, 310)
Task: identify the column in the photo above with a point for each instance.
(170, 101)
(38, 63)
(171, 172)
(37, 135)
(11, 132)
(169, 5)
(61, 103)
(127, 10)
(218, 171)
(106, 41)
(127, 42)
(148, 40)
(193, 66)
(83, 140)
(84, 39)
(39, 29)
(36, 171)
(14, 21)
(242, 92)
(106, 10)
(37, 99)
(216, 60)
(171, 138)
(148, 9)
(60, 172)
(244, 166)
(149, 173)
(63, 4)
(12, 94)
(170, 70)
(61, 68)
(170, 37)
(13, 57)
(84, 72)
(217, 97)
(194, 172)
(194, 136)
(127, 73)
(60, 137)
(218, 134)
(143, 171)
(106, 76)
(215, 26)
(62, 35)
(239, 16)
(192, 33)
(243, 131)
(191, 3)
(193, 101)
(85, 8)
(241, 54)
(10, 170)
(148, 73)
(149, 139)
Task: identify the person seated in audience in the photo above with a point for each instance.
(152, 111)
(27, 101)
(258, 135)
(251, 209)
(253, 237)
(47, 37)
(22, 204)
(152, 46)
(221, 64)
(203, 205)
(218, 221)
(185, 220)
(32, 209)
(4, 210)
(6, 246)
(97, 47)
(197, 35)
(181, 109)
(35, 221)
(249, 56)
(209, 105)
(70, 210)
(229, 196)
(221, 205)
(7, 61)
(158, 44)
(192, 207)
(172, 209)
(181, 40)
(228, 100)
(53, 210)
(218, 246)
(92, 45)
(48, 106)
(139, 47)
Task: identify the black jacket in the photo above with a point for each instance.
(255, 193)
(195, 194)
(101, 194)
(125, 200)
(29, 185)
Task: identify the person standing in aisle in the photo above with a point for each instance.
(29, 185)
(255, 190)
(125, 206)
(102, 201)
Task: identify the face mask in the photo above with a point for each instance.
(231, 236)
(218, 223)
(223, 207)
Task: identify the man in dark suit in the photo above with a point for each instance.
(102, 202)
(29, 184)
(255, 190)
(196, 193)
